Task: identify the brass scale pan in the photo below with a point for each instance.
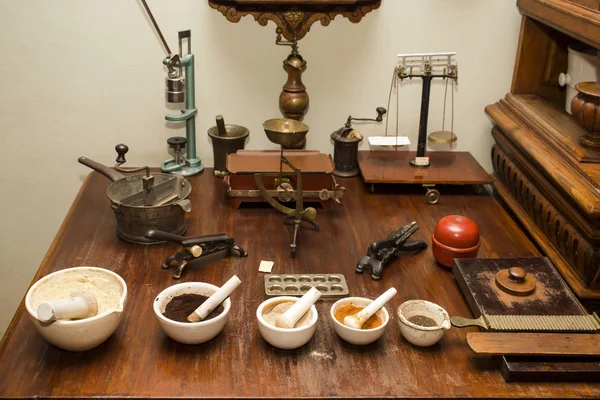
(442, 137)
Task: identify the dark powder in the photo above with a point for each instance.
(183, 305)
(422, 320)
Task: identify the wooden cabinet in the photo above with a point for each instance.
(543, 174)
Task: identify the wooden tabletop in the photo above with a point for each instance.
(140, 361)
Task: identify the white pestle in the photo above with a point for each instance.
(357, 320)
(214, 300)
(290, 318)
(81, 305)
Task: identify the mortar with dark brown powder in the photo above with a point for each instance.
(180, 307)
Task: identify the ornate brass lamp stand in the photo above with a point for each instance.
(294, 19)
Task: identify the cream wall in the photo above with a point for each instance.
(79, 76)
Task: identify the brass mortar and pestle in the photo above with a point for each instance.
(226, 139)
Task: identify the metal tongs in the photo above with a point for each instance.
(151, 195)
(195, 247)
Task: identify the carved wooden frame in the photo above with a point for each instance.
(562, 236)
(294, 19)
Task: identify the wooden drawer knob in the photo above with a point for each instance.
(517, 274)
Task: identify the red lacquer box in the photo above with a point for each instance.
(455, 236)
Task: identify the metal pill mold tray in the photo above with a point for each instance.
(330, 285)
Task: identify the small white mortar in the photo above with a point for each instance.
(358, 336)
(422, 335)
(283, 338)
(190, 332)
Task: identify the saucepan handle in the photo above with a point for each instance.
(108, 172)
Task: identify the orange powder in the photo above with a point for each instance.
(350, 309)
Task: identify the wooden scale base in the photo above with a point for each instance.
(446, 168)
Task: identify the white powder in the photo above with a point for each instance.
(107, 290)
(274, 310)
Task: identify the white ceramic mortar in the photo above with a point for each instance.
(422, 335)
(190, 332)
(83, 334)
(358, 336)
(284, 338)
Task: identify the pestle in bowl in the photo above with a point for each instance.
(221, 126)
(290, 318)
(80, 305)
(214, 300)
(357, 320)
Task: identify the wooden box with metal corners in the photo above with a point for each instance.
(318, 181)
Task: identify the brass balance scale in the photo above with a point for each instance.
(287, 133)
(443, 167)
(425, 66)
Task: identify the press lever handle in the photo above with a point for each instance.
(188, 241)
(396, 240)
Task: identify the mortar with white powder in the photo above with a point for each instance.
(285, 338)
(110, 291)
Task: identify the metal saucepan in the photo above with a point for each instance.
(133, 221)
